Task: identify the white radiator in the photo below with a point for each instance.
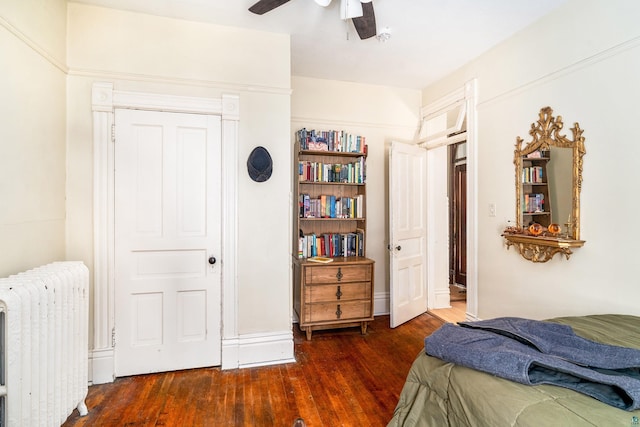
(44, 344)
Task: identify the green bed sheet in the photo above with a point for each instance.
(439, 394)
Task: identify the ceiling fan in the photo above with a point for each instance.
(359, 11)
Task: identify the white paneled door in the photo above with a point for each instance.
(167, 241)
(408, 231)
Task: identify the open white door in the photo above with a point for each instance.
(408, 231)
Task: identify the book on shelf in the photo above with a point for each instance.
(360, 238)
(321, 259)
(532, 175)
(533, 203)
(351, 173)
(331, 244)
(331, 206)
(331, 140)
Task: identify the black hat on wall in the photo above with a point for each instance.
(259, 164)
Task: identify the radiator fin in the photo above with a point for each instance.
(44, 317)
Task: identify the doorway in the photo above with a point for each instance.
(451, 121)
(105, 99)
(457, 172)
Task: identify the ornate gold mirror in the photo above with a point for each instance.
(548, 184)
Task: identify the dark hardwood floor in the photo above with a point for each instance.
(341, 378)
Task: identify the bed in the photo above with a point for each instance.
(438, 393)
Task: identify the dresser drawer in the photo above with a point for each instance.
(331, 311)
(333, 274)
(338, 292)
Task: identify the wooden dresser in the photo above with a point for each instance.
(334, 295)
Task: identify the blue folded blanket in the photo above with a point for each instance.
(537, 352)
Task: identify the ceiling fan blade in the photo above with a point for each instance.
(350, 9)
(264, 6)
(366, 24)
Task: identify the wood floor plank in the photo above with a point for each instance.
(227, 397)
(340, 378)
(457, 312)
(299, 387)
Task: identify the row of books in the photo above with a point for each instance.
(331, 245)
(533, 202)
(532, 175)
(332, 172)
(331, 140)
(330, 206)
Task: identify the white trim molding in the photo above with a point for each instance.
(95, 74)
(44, 53)
(104, 101)
(230, 124)
(381, 303)
(438, 296)
(471, 96)
(261, 349)
(443, 104)
(101, 356)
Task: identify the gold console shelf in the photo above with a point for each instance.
(541, 249)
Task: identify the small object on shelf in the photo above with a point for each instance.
(536, 229)
(321, 259)
(569, 226)
(512, 230)
(320, 144)
(554, 229)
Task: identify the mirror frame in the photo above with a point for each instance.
(545, 133)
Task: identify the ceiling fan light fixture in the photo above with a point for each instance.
(323, 3)
(350, 9)
(384, 35)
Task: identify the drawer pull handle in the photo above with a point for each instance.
(339, 293)
(339, 274)
(338, 312)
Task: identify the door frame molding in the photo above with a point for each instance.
(105, 100)
(467, 95)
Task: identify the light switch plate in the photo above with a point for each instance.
(492, 209)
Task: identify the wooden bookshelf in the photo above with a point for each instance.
(330, 221)
(536, 200)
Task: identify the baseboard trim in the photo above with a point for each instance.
(246, 351)
(101, 366)
(442, 299)
(381, 304)
(251, 350)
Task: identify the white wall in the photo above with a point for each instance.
(32, 134)
(381, 114)
(583, 60)
(145, 53)
(60, 51)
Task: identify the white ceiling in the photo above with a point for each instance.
(429, 38)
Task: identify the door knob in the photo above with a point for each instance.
(212, 260)
(397, 248)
